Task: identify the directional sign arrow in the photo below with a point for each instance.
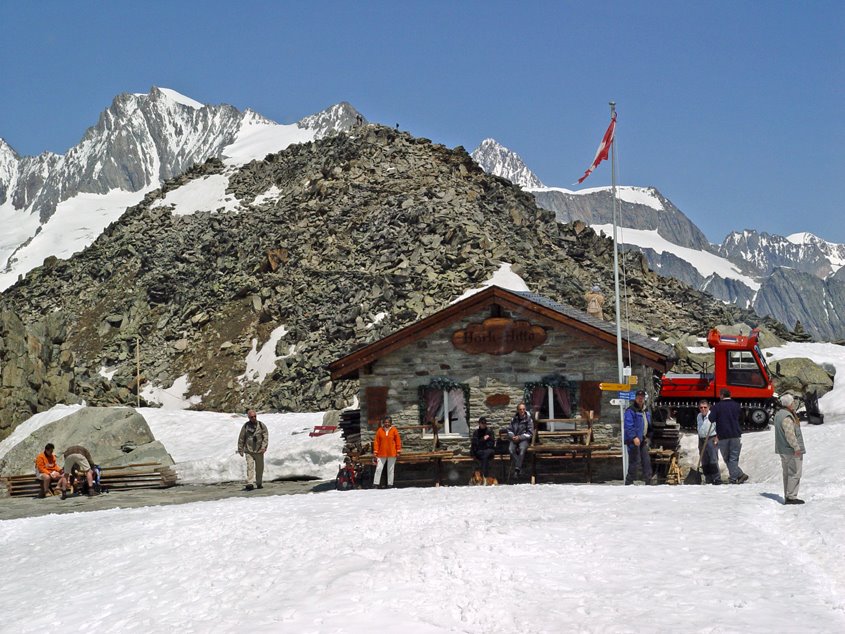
(617, 401)
(613, 387)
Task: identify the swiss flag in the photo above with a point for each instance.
(604, 149)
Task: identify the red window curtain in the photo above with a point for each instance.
(433, 405)
(562, 401)
(538, 396)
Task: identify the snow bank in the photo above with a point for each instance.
(201, 194)
(503, 277)
(203, 444)
(37, 421)
(456, 559)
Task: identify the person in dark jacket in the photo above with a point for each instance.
(637, 429)
(483, 445)
(726, 414)
(520, 433)
(252, 441)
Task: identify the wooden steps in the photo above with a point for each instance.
(143, 475)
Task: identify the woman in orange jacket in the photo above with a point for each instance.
(47, 471)
(386, 448)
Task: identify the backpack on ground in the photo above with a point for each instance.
(345, 478)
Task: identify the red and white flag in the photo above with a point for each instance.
(604, 148)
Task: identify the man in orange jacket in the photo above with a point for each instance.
(386, 448)
(47, 470)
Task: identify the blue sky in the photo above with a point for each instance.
(731, 109)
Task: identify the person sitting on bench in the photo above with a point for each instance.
(520, 432)
(47, 471)
(483, 445)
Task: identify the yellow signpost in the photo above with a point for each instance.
(618, 387)
(613, 387)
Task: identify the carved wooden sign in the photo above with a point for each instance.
(499, 335)
(498, 400)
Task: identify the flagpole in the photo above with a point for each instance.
(620, 366)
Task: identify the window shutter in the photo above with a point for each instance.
(376, 398)
(590, 398)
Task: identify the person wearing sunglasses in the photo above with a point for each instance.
(707, 445)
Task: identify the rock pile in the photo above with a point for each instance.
(341, 241)
(36, 367)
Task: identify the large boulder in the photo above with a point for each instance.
(799, 375)
(115, 436)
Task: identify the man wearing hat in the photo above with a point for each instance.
(595, 302)
(483, 445)
(637, 429)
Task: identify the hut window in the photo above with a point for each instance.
(446, 403)
(551, 398)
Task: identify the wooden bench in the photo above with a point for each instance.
(322, 430)
(142, 475)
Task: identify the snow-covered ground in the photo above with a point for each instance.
(545, 558)
(203, 444)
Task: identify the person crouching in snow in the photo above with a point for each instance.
(386, 448)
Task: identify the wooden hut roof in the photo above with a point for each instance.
(546, 311)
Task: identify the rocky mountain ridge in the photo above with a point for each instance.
(333, 244)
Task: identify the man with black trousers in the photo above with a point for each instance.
(726, 414)
(637, 431)
(483, 445)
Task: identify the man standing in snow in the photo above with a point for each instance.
(253, 442)
(595, 302)
(520, 433)
(789, 443)
(706, 444)
(726, 414)
(637, 428)
(386, 448)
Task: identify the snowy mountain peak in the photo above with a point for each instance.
(494, 158)
(56, 204)
(808, 238)
(802, 251)
(336, 118)
(177, 97)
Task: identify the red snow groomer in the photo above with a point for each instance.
(738, 365)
